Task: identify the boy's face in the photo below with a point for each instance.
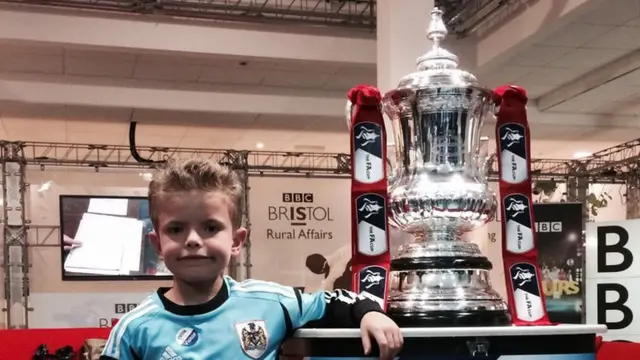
(195, 235)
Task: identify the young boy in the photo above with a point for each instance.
(195, 210)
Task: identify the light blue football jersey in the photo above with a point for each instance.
(246, 320)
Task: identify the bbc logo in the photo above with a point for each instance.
(124, 308)
(548, 226)
(297, 197)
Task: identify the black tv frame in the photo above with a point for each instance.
(97, 277)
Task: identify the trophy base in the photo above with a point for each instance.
(444, 291)
(451, 318)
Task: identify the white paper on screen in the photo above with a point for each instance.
(131, 255)
(105, 239)
(92, 271)
(109, 206)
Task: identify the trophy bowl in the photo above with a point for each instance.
(438, 191)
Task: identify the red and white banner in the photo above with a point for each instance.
(369, 229)
(519, 243)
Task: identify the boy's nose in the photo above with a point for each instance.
(193, 240)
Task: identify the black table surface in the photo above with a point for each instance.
(576, 339)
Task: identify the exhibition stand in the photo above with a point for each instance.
(575, 342)
(562, 342)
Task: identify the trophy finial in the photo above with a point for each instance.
(437, 30)
(437, 57)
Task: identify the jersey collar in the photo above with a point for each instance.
(190, 310)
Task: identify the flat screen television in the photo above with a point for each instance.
(107, 238)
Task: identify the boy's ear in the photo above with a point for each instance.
(239, 237)
(155, 242)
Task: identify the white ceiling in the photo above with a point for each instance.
(93, 125)
(237, 131)
(590, 42)
(57, 60)
(598, 38)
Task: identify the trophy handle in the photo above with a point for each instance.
(349, 113)
(488, 165)
(483, 150)
(485, 159)
(391, 171)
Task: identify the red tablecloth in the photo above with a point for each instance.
(21, 344)
(615, 350)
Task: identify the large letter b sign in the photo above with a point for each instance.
(613, 277)
(616, 247)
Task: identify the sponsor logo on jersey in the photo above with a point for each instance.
(527, 294)
(513, 153)
(372, 224)
(253, 337)
(170, 354)
(187, 337)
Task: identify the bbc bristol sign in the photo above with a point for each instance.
(613, 277)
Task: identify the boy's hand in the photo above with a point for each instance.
(386, 333)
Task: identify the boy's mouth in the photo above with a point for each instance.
(194, 257)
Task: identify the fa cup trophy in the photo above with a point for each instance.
(437, 192)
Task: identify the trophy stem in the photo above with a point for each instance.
(437, 244)
(438, 235)
(446, 235)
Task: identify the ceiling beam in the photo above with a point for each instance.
(129, 93)
(145, 33)
(590, 81)
(239, 99)
(537, 21)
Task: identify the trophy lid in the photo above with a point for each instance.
(438, 67)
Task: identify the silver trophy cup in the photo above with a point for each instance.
(438, 191)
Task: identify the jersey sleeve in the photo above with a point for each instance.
(338, 308)
(120, 345)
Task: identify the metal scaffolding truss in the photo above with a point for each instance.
(465, 17)
(255, 162)
(462, 16)
(618, 159)
(15, 257)
(115, 156)
(359, 14)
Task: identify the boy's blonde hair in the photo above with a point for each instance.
(196, 174)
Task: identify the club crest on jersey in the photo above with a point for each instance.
(253, 337)
(367, 153)
(513, 153)
(372, 224)
(187, 337)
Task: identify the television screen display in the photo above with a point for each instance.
(107, 238)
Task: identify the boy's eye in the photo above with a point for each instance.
(175, 229)
(211, 228)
